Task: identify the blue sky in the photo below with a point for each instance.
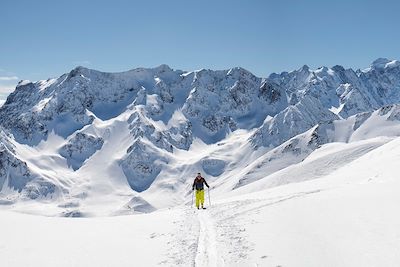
(42, 39)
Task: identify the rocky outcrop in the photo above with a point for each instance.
(79, 148)
(141, 165)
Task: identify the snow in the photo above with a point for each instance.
(301, 165)
(337, 110)
(43, 84)
(206, 254)
(392, 64)
(23, 82)
(345, 218)
(334, 220)
(383, 63)
(118, 241)
(41, 104)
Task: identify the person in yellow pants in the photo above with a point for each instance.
(199, 183)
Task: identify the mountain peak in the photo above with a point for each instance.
(163, 68)
(239, 70)
(23, 82)
(338, 68)
(79, 70)
(304, 68)
(322, 69)
(383, 63)
(380, 62)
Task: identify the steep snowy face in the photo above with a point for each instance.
(224, 101)
(17, 177)
(291, 121)
(14, 173)
(345, 91)
(379, 125)
(290, 152)
(383, 79)
(61, 105)
(214, 101)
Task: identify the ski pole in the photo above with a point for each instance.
(191, 205)
(209, 199)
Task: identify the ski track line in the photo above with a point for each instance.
(207, 244)
(207, 253)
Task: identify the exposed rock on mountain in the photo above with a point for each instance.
(79, 148)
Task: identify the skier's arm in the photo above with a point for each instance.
(193, 184)
(206, 182)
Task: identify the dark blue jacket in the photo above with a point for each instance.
(199, 183)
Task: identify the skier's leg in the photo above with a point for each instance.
(197, 198)
(202, 198)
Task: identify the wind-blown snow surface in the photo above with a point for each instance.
(346, 218)
(301, 166)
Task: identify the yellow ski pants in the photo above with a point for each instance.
(199, 198)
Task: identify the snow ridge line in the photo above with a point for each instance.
(207, 253)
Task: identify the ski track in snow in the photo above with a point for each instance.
(207, 251)
(218, 236)
(183, 240)
(194, 242)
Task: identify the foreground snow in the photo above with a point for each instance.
(28, 240)
(345, 218)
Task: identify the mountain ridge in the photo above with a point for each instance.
(132, 134)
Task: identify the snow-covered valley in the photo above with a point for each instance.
(302, 168)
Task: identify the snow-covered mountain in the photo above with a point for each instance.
(95, 143)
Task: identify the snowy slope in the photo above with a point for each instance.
(345, 218)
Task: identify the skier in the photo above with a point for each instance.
(199, 184)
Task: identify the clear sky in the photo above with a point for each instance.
(42, 39)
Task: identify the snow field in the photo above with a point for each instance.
(28, 240)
